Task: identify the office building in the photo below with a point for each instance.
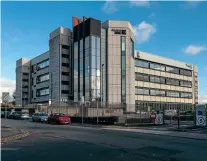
(49, 75)
(97, 60)
(162, 82)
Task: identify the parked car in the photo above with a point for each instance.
(11, 115)
(59, 118)
(2, 114)
(24, 115)
(39, 117)
(15, 115)
(5, 114)
(20, 115)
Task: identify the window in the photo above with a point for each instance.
(123, 44)
(65, 47)
(171, 81)
(81, 44)
(173, 94)
(65, 55)
(98, 43)
(185, 72)
(141, 77)
(65, 91)
(65, 73)
(43, 78)
(123, 72)
(131, 48)
(25, 80)
(65, 82)
(157, 66)
(76, 50)
(43, 64)
(185, 95)
(26, 74)
(93, 61)
(142, 63)
(156, 79)
(142, 91)
(185, 83)
(65, 64)
(157, 92)
(87, 67)
(93, 42)
(172, 70)
(42, 92)
(87, 40)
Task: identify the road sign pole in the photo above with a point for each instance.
(82, 102)
(97, 111)
(178, 118)
(82, 113)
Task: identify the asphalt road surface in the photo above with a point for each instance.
(74, 143)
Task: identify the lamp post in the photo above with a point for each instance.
(102, 84)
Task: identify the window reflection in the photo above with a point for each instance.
(43, 64)
(42, 78)
(142, 63)
(42, 92)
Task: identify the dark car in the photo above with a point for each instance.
(5, 114)
(16, 115)
(59, 118)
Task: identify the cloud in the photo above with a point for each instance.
(7, 85)
(140, 3)
(202, 99)
(192, 4)
(143, 32)
(110, 7)
(195, 49)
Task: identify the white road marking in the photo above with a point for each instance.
(10, 149)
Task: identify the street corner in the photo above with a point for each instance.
(13, 134)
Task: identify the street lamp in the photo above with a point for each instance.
(102, 85)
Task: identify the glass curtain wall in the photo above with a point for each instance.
(95, 67)
(89, 69)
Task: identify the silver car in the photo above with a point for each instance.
(39, 117)
(24, 115)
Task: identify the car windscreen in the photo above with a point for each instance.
(60, 114)
(25, 113)
(43, 114)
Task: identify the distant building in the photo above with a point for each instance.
(5, 97)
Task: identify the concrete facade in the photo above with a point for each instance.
(98, 61)
(112, 64)
(49, 75)
(186, 84)
(22, 82)
(60, 49)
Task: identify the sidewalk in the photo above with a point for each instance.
(161, 132)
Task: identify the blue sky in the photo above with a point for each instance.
(172, 29)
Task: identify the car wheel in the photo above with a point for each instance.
(32, 120)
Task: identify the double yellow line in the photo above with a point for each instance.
(15, 137)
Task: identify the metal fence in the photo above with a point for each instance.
(130, 114)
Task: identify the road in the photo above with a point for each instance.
(66, 142)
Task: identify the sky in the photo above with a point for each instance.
(175, 30)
